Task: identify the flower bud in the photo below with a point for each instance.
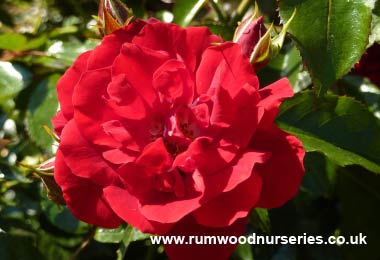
(46, 172)
(257, 42)
(112, 15)
(249, 32)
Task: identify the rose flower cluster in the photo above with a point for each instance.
(166, 128)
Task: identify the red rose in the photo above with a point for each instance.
(164, 129)
(369, 64)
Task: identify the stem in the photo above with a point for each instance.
(218, 11)
(128, 234)
(240, 11)
(84, 243)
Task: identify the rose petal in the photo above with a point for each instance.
(91, 110)
(272, 97)
(125, 100)
(283, 172)
(104, 54)
(171, 209)
(67, 83)
(229, 206)
(127, 207)
(84, 160)
(225, 65)
(138, 64)
(59, 122)
(83, 197)
(173, 82)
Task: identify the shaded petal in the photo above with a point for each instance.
(229, 206)
(84, 198)
(283, 172)
(67, 83)
(138, 64)
(155, 158)
(225, 65)
(125, 100)
(83, 159)
(91, 110)
(173, 82)
(189, 227)
(272, 97)
(127, 207)
(170, 209)
(59, 122)
(104, 54)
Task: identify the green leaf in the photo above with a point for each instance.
(67, 52)
(339, 127)
(13, 79)
(185, 11)
(13, 42)
(319, 176)
(18, 247)
(331, 35)
(128, 235)
(243, 252)
(116, 235)
(259, 218)
(105, 235)
(359, 195)
(18, 42)
(363, 90)
(42, 107)
(61, 217)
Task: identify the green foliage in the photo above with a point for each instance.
(331, 125)
(331, 35)
(42, 107)
(13, 79)
(185, 11)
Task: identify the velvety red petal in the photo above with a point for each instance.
(283, 172)
(174, 83)
(225, 65)
(91, 110)
(197, 40)
(224, 109)
(206, 155)
(155, 158)
(189, 227)
(229, 206)
(184, 44)
(117, 130)
(67, 83)
(84, 198)
(229, 178)
(83, 159)
(125, 100)
(59, 122)
(272, 97)
(127, 207)
(138, 64)
(172, 209)
(104, 54)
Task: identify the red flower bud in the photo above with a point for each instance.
(256, 41)
(249, 32)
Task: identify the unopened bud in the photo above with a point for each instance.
(257, 42)
(46, 172)
(112, 15)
